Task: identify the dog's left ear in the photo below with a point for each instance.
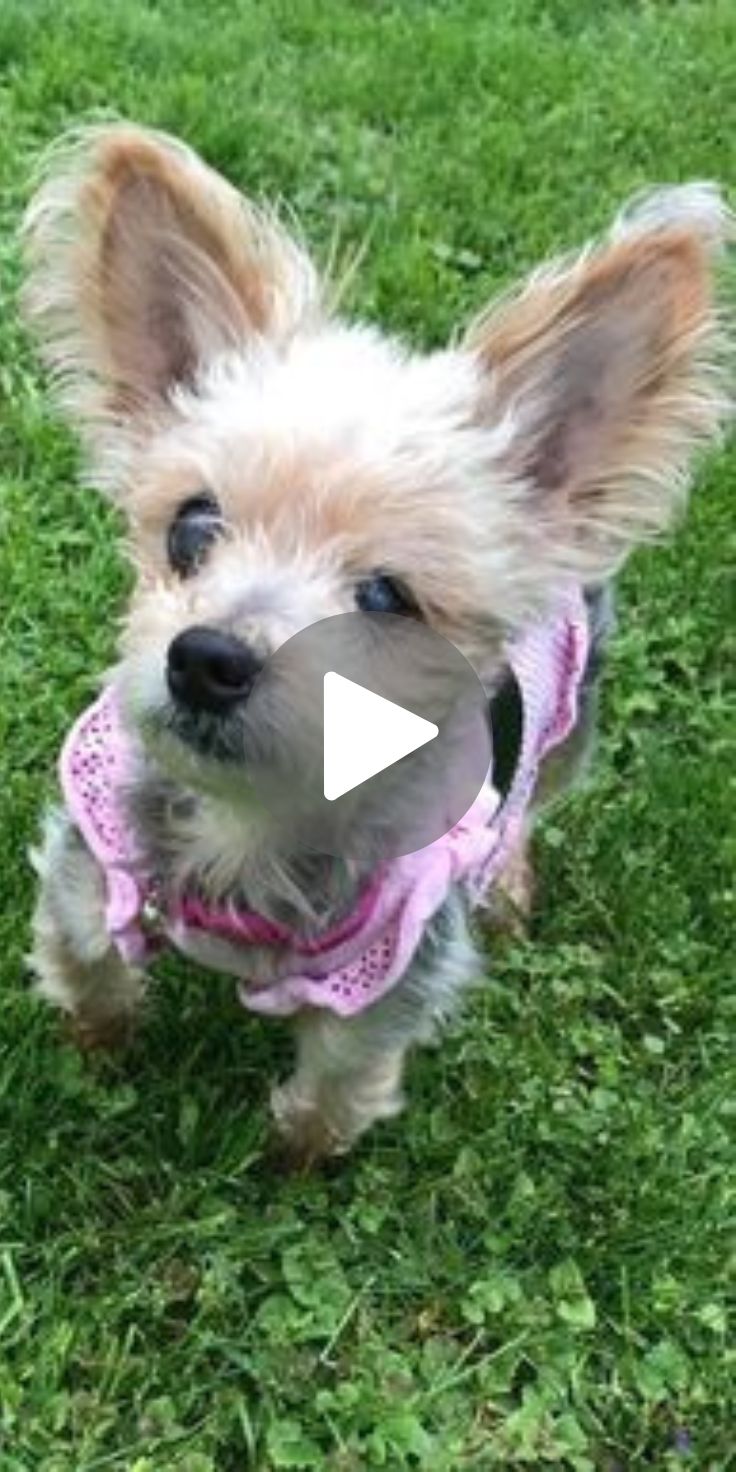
(602, 375)
(145, 265)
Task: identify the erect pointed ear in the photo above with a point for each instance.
(144, 265)
(604, 374)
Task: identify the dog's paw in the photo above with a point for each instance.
(305, 1138)
(110, 1033)
(507, 908)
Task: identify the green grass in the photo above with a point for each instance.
(531, 1268)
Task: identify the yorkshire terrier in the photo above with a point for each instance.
(278, 466)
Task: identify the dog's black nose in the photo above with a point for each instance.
(209, 670)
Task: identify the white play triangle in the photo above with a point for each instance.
(364, 733)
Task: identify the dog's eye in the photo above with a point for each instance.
(383, 594)
(197, 523)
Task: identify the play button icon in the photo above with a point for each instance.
(365, 737)
(365, 733)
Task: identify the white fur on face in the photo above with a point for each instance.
(346, 390)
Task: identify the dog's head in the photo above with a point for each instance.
(278, 466)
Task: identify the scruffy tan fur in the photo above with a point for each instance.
(192, 344)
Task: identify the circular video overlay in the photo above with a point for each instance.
(366, 736)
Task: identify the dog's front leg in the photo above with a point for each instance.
(75, 965)
(349, 1070)
(348, 1075)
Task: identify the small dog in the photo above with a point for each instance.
(277, 466)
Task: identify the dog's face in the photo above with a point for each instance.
(298, 482)
(278, 467)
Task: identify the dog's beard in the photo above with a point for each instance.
(201, 812)
(212, 738)
(269, 777)
(200, 752)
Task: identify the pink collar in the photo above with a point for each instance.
(353, 963)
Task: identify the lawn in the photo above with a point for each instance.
(531, 1268)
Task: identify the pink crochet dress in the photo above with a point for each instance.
(354, 963)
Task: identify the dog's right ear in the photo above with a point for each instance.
(144, 266)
